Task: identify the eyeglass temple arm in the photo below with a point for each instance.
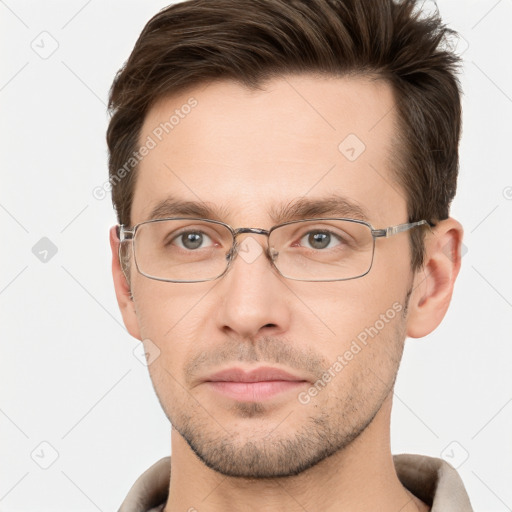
(123, 233)
(393, 230)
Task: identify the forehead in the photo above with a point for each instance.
(248, 153)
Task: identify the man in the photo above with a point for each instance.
(282, 173)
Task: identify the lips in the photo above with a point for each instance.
(254, 385)
(257, 375)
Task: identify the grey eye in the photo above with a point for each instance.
(319, 239)
(191, 240)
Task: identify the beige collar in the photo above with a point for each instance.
(432, 480)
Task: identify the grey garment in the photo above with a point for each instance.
(432, 480)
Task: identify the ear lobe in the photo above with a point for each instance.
(122, 288)
(434, 282)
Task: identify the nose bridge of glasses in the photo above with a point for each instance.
(256, 231)
(240, 246)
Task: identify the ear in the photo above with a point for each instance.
(433, 283)
(122, 288)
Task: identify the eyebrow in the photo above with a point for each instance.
(173, 207)
(333, 205)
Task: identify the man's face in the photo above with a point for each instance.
(241, 153)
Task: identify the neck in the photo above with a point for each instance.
(361, 477)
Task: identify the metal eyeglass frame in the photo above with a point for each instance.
(128, 234)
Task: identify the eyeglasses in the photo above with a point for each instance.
(191, 250)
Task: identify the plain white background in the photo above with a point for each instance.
(74, 397)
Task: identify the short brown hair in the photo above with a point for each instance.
(253, 40)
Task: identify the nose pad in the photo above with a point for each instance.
(272, 254)
(230, 255)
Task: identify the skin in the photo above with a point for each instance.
(246, 151)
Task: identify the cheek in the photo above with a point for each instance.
(171, 319)
(345, 309)
(164, 309)
(172, 325)
(364, 319)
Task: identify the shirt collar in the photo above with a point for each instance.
(432, 480)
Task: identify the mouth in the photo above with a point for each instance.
(255, 385)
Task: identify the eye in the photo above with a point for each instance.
(191, 240)
(321, 239)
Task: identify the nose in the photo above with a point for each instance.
(253, 297)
